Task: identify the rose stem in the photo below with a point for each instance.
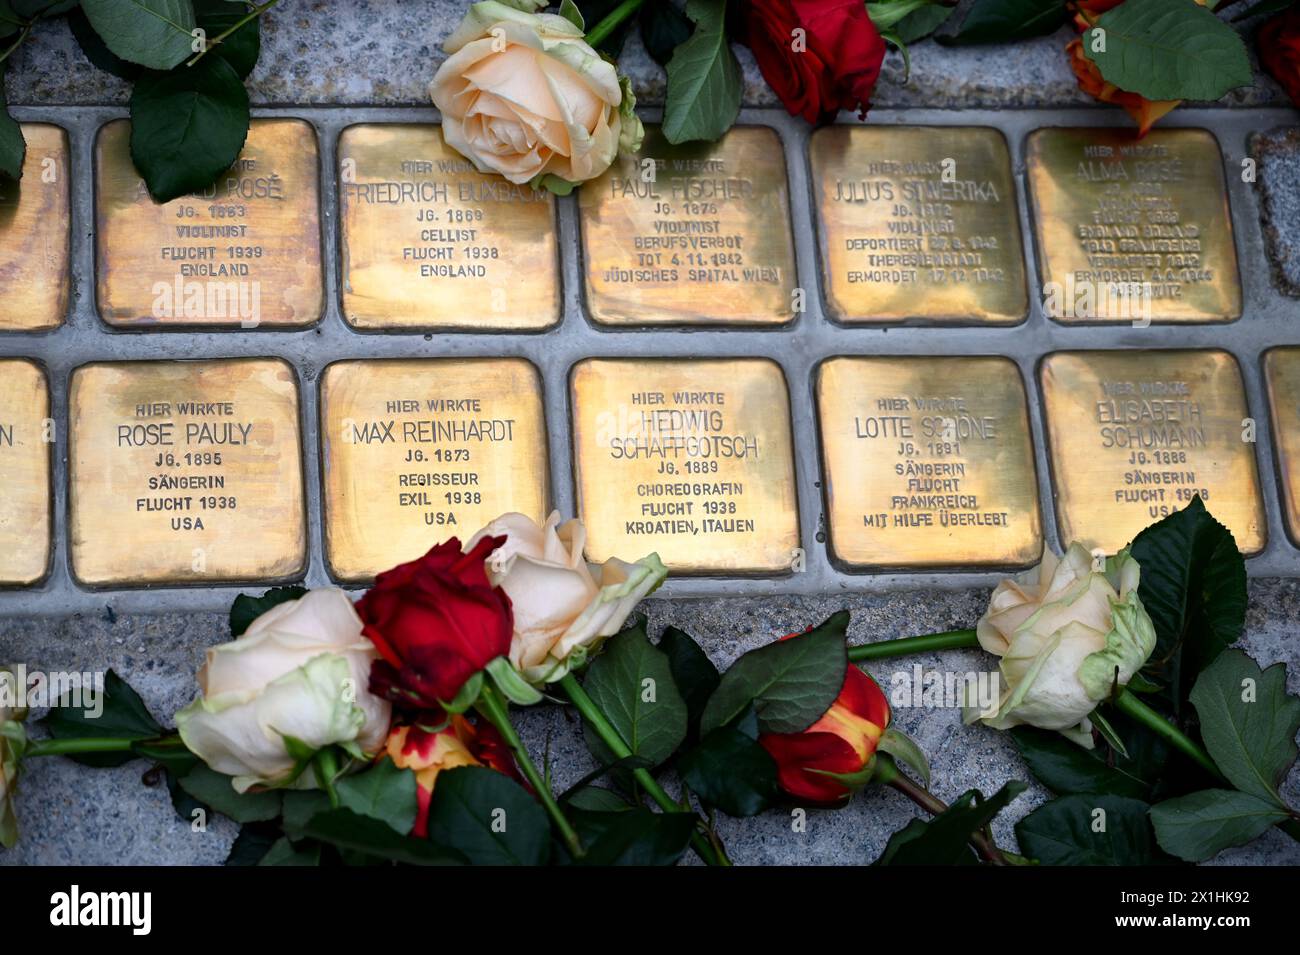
(1132, 707)
(601, 31)
(327, 767)
(901, 646)
(72, 747)
(887, 772)
(713, 855)
(497, 713)
(257, 11)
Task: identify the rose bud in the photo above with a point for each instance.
(561, 603)
(298, 673)
(836, 66)
(841, 743)
(13, 741)
(436, 622)
(1066, 633)
(428, 752)
(524, 95)
(1279, 50)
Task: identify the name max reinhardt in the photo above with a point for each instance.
(74, 908)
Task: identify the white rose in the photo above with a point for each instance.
(1066, 633)
(12, 743)
(300, 671)
(561, 603)
(524, 95)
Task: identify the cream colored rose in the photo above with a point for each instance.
(299, 673)
(13, 741)
(1065, 634)
(523, 95)
(564, 608)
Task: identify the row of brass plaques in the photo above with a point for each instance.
(916, 224)
(192, 471)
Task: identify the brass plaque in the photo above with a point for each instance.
(245, 253)
(428, 242)
(414, 452)
(691, 234)
(185, 472)
(918, 223)
(1132, 230)
(1135, 435)
(928, 462)
(1282, 379)
(26, 435)
(692, 459)
(35, 232)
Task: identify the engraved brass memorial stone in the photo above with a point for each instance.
(244, 253)
(928, 462)
(691, 234)
(414, 452)
(185, 472)
(26, 437)
(918, 223)
(1132, 229)
(1282, 379)
(35, 231)
(429, 242)
(1135, 435)
(689, 458)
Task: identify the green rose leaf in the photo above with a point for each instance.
(123, 716)
(918, 25)
(300, 807)
(632, 683)
(246, 609)
(1093, 829)
(1199, 825)
(1194, 589)
(663, 29)
(251, 845)
(9, 20)
(1065, 767)
(154, 33)
(187, 126)
(386, 793)
(944, 840)
(1248, 722)
(1168, 49)
(242, 47)
(353, 833)
(731, 771)
(693, 672)
(282, 852)
(13, 147)
(704, 85)
(790, 683)
(215, 791)
(488, 817)
(634, 837)
(30, 9)
(97, 51)
(998, 21)
(596, 799)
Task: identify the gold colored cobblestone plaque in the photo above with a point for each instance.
(1125, 223)
(246, 253)
(1282, 379)
(918, 223)
(429, 242)
(185, 472)
(689, 458)
(1135, 435)
(691, 234)
(928, 462)
(26, 437)
(415, 452)
(35, 231)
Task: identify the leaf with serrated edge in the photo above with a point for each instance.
(153, 33)
(1199, 825)
(704, 87)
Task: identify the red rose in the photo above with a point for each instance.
(436, 622)
(428, 752)
(841, 742)
(1279, 50)
(832, 65)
